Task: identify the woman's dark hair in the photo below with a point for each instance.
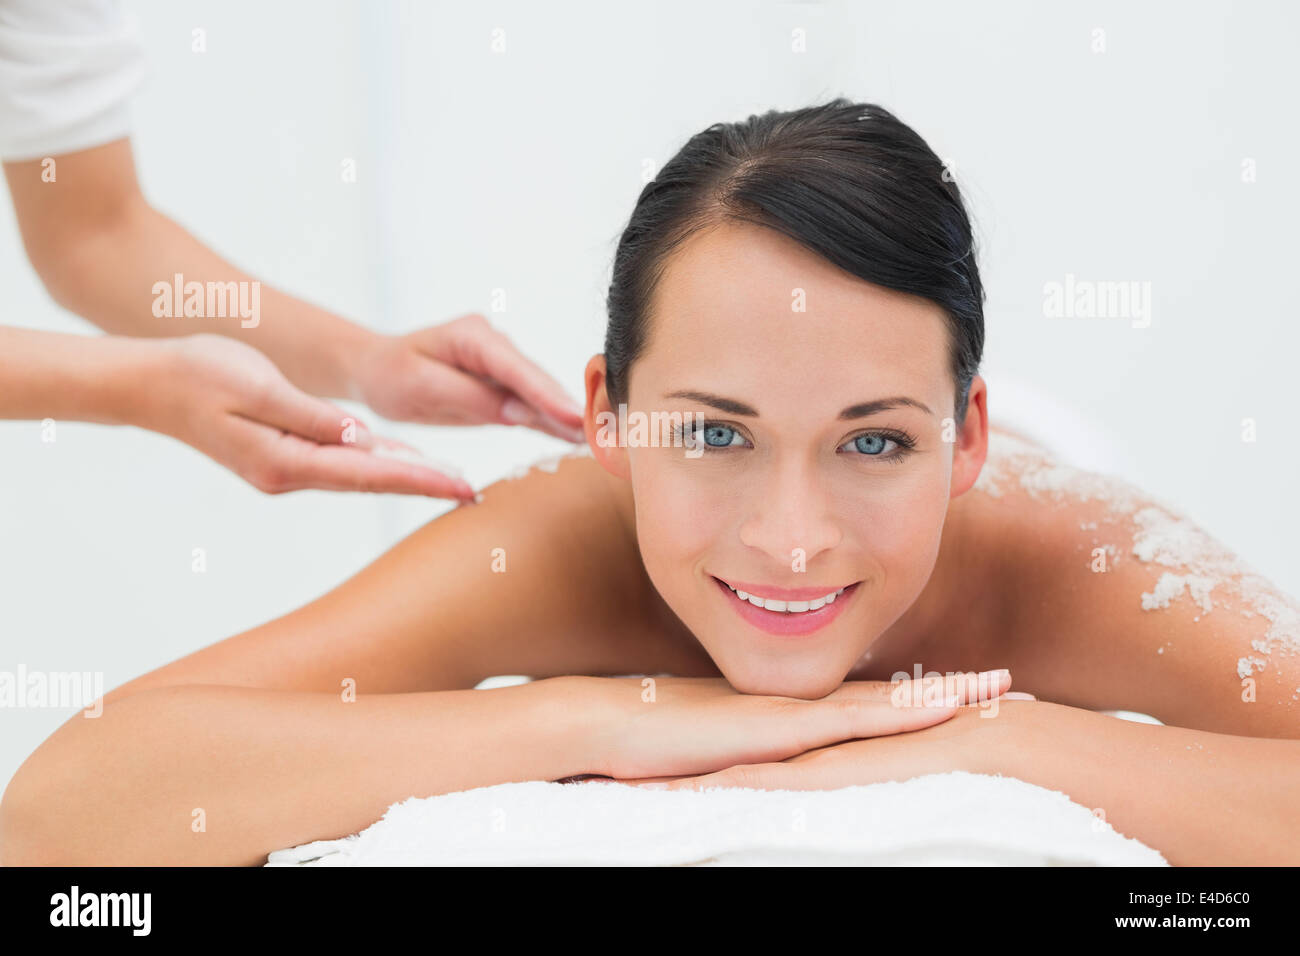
(847, 180)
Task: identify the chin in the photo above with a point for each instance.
(810, 687)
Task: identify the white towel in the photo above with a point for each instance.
(953, 818)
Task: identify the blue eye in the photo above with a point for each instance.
(870, 444)
(891, 447)
(719, 436)
(712, 435)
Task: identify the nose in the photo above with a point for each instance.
(790, 515)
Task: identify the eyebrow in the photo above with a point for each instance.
(861, 410)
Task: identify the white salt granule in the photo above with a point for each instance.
(1244, 665)
(1164, 538)
(1174, 541)
(1171, 586)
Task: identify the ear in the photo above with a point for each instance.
(971, 444)
(600, 422)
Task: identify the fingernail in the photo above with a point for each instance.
(1018, 695)
(997, 674)
(515, 412)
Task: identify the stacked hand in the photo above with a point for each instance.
(701, 733)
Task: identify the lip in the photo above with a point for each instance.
(781, 622)
(783, 594)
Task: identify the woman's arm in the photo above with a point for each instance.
(210, 774)
(254, 729)
(1200, 798)
(223, 775)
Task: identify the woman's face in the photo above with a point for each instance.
(824, 462)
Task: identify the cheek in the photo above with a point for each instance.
(898, 525)
(678, 516)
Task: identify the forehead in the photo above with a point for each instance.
(727, 315)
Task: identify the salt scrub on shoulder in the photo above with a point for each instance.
(549, 464)
(1200, 564)
(552, 463)
(1012, 460)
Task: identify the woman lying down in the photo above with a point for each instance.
(798, 295)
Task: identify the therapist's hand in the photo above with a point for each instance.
(463, 372)
(232, 403)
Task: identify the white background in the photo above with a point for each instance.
(517, 171)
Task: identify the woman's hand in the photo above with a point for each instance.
(969, 740)
(463, 372)
(667, 727)
(232, 403)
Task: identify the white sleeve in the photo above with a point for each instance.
(68, 69)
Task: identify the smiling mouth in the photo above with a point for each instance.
(787, 606)
(811, 611)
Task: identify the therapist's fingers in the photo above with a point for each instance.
(338, 468)
(276, 462)
(288, 409)
(476, 402)
(472, 344)
(515, 411)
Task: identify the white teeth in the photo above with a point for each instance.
(789, 607)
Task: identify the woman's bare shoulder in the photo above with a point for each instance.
(539, 578)
(1118, 601)
(568, 551)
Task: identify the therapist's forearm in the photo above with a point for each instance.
(109, 279)
(76, 377)
(1200, 798)
(101, 248)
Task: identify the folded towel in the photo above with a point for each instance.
(953, 818)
